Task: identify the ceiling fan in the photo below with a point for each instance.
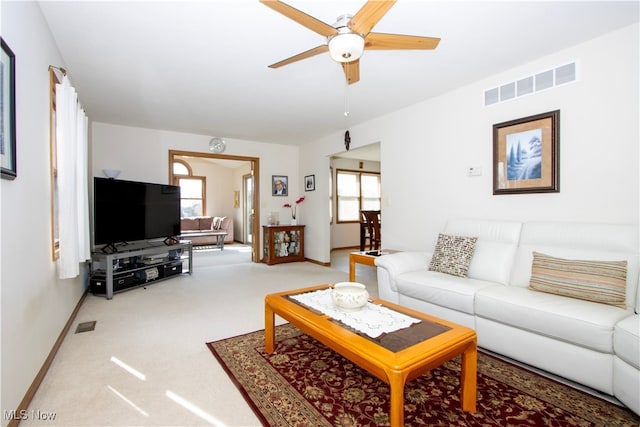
(350, 35)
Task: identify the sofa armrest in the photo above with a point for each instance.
(395, 264)
(227, 225)
(401, 262)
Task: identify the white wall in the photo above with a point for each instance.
(427, 148)
(35, 304)
(142, 155)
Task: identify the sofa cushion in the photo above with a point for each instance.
(495, 249)
(626, 340)
(584, 323)
(598, 281)
(190, 224)
(606, 242)
(452, 254)
(445, 290)
(205, 223)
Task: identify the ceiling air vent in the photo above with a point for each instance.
(528, 85)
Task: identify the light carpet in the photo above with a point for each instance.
(145, 363)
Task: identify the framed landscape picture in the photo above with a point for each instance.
(526, 155)
(7, 112)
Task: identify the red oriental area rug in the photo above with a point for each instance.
(304, 383)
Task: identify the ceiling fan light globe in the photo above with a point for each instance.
(346, 47)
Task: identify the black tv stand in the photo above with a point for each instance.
(138, 265)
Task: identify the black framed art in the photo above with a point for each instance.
(310, 183)
(8, 112)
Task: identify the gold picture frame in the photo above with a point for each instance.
(526, 155)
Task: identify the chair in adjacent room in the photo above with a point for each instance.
(370, 229)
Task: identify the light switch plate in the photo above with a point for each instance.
(475, 171)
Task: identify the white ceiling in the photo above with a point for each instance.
(201, 66)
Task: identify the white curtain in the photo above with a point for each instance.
(73, 198)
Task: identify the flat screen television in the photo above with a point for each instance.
(128, 211)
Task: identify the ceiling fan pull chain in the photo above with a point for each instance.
(346, 104)
(347, 136)
(346, 101)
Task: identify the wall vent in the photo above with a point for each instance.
(86, 327)
(531, 84)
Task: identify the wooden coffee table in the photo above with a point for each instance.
(424, 352)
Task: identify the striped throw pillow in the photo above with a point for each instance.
(598, 281)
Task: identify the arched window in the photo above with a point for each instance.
(180, 167)
(192, 190)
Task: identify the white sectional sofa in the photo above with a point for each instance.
(591, 343)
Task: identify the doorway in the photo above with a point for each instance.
(248, 211)
(251, 197)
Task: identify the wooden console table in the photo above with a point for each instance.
(363, 257)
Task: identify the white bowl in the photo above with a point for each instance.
(349, 295)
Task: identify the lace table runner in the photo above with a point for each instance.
(371, 319)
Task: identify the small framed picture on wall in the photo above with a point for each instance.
(310, 183)
(279, 185)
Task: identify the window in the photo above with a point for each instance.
(53, 147)
(356, 191)
(192, 190)
(330, 195)
(181, 167)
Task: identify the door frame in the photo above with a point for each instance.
(245, 212)
(255, 168)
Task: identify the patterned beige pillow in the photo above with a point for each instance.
(453, 254)
(604, 282)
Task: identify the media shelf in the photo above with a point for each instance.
(138, 265)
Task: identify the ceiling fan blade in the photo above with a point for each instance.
(381, 41)
(352, 71)
(369, 15)
(301, 18)
(304, 55)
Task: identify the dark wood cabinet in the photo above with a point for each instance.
(283, 243)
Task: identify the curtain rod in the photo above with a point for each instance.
(62, 70)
